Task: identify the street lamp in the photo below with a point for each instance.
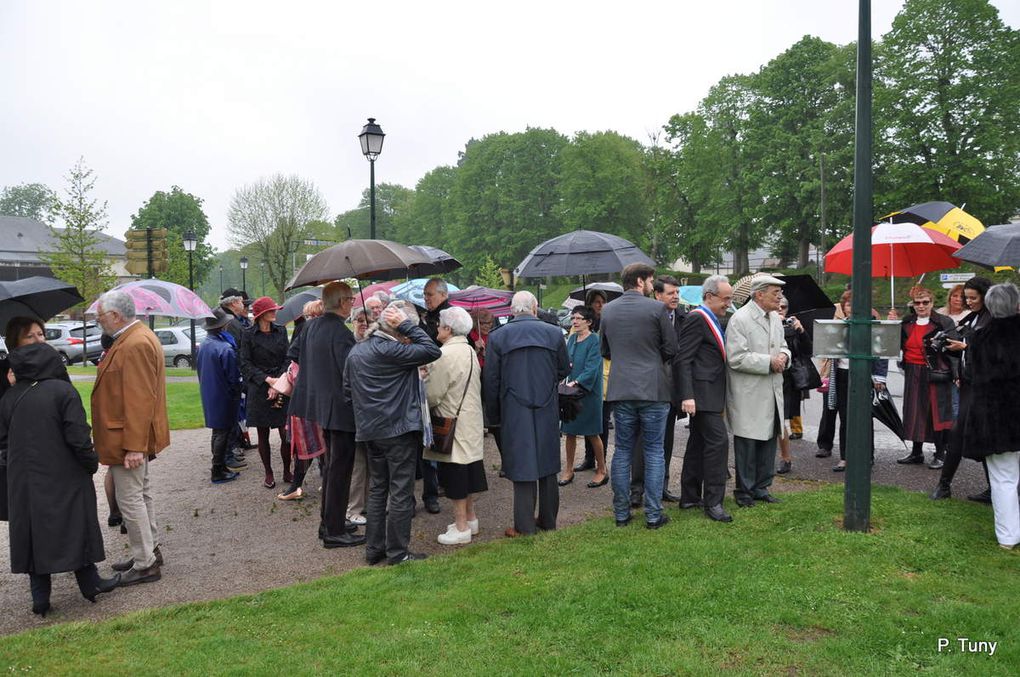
(221, 278)
(371, 138)
(262, 271)
(190, 242)
(244, 267)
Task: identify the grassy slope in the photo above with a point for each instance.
(780, 590)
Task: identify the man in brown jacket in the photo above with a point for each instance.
(130, 426)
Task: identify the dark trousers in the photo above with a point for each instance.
(429, 476)
(41, 584)
(755, 463)
(547, 493)
(336, 482)
(220, 439)
(703, 477)
(391, 469)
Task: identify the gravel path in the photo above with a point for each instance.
(231, 539)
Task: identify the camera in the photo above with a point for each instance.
(788, 322)
(940, 339)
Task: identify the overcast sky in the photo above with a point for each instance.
(212, 95)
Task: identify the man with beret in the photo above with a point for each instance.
(757, 355)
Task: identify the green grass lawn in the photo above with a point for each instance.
(184, 406)
(782, 590)
(90, 370)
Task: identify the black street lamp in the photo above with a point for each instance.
(244, 267)
(371, 138)
(262, 272)
(190, 242)
(221, 278)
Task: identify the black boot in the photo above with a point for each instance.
(40, 584)
(91, 584)
(942, 490)
(982, 497)
(911, 458)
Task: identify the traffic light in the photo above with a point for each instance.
(146, 251)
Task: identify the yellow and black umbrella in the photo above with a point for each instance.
(945, 217)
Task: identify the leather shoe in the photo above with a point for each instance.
(745, 503)
(667, 496)
(584, 465)
(983, 497)
(432, 505)
(796, 436)
(409, 557)
(224, 476)
(784, 467)
(347, 540)
(595, 485)
(127, 564)
(716, 512)
(936, 463)
(103, 585)
(512, 533)
(114, 520)
(911, 459)
(375, 559)
(687, 505)
(136, 576)
(768, 498)
(625, 521)
(823, 453)
(565, 482)
(659, 523)
(942, 490)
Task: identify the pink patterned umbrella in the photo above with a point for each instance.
(158, 297)
(496, 301)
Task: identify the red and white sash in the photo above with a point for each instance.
(715, 331)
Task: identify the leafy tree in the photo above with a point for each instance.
(32, 200)
(489, 275)
(267, 219)
(429, 211)
(950, 71)
(76, 257)
(390, 200)
(178, 212)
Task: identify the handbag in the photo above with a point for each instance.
(444, 427)
(570, 400)
(804, 375)
(285, 384)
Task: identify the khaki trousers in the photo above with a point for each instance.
(135, 501)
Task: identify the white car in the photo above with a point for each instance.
(176, 342)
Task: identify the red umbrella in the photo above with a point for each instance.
(373, 288)
(897, 250)
(496, 301)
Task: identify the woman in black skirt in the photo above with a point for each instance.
(263, 355)
(454, 388)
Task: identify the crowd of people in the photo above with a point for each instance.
(385, 394)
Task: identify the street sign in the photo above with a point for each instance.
(955, 277)
(318, 243)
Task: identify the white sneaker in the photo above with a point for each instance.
(359, 519)
(472, 526)
(454, 537)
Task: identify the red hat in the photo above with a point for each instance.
(262, 305)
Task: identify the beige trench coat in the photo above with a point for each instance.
(754, 393)
(444, 388)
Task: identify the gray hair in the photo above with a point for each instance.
(439, 284)
(226, 301)
(119, 302)
(382, 296)
(1002, 300)
(332, 295)
(382, 326)
(523, 303)
(457, 319)
(711, 284)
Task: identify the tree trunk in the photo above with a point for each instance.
(805, 248)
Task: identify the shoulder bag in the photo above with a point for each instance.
(444, 427)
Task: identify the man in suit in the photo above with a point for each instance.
(757, 355)
(638, 338)
(321, 352)
(524, 361)
(130, 426)
(701, 387)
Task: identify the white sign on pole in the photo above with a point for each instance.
(955, 277)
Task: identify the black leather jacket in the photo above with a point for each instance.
(381, 382)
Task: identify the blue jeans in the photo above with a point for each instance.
(652, 417)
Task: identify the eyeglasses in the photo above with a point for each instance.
(923, 302)
(105, 312)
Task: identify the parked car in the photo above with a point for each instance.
(72, 340)
(176, 342)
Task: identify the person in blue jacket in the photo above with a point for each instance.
(219, 380)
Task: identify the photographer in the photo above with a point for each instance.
(800, 347)
(928, 374)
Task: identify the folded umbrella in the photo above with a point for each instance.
(884, 411)
(37, 297)
(362, 259)
(581, 252)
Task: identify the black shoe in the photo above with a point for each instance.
(624, 522)
(114, 520)
(938, 460)
(672, 498)
(409, 557)
(823, 453)
(224, 476)
(636, 499)
(375, 559)
(745, 502)
(784, 467)
(983, 497)
(127, 564)
(595, 485)
(796, 436)
(584, 465)
(235, 464)
(343, 541)
(136, 576)
(41, 608)
(687, 505)
(767, 498)
(659, 523)
(103, 585)
(717, 513)
(942, 490)
(911, 459)
(322, 531)
(432, 505)
(564, 483)
(839, 467)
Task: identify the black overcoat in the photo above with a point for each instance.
(263, 354)
(991, 424)
(321, 353)
(54, 525)
(524, 360)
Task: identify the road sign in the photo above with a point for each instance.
(318, 243)
(955, 277)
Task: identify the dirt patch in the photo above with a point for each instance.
(804, 635)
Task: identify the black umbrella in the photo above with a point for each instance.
(998, 246)
(581, 252)
(292, 308)
(804, 294)
(362, 259)
(38, 297)
(611, 290)
(439, 262)
(884, 411)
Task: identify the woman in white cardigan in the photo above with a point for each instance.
(454, 389)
